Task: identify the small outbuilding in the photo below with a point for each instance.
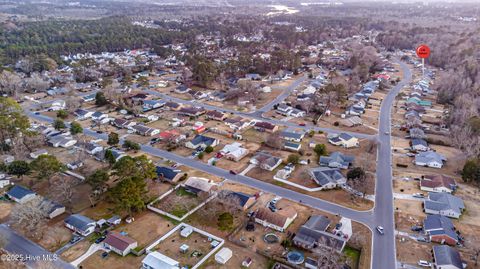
(223, 255)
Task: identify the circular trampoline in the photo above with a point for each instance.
(271, 238)
(295, 257)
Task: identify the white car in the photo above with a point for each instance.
(424, 263)
(380, 230)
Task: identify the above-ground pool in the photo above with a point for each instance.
(295, 257)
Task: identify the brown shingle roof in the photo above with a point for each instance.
(118, 241)
(435, 181)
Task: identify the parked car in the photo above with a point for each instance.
(104, 254)
(418, 195)
(75, 239)
(233, 172)
(100, 239)
(302, 124)
(417, 228)
(424, 263)
(422, 239)
(380, 230)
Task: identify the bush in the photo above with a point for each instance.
(200, 155)
(471, 171)
(320, 150)
(336, 123)
(209, 149)
(225, 221)
(293, 158)
(130, 145)
(63, 114)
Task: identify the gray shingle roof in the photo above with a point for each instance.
(445, 255)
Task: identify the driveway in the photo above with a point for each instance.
(91, 250)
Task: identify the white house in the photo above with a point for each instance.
(345, 140)
(20, 194)
(279, 220)
(80, 224)
(430, 159)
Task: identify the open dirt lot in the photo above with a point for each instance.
(196, 242)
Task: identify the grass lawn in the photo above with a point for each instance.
(353, 255)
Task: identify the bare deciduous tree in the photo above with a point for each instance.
(10, 83)
(31, 216)
(63, 189)
(274, 141)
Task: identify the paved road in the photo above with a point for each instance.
(280, 98)
(19, 245)
(384, 245)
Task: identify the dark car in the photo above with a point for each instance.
(99, 240)
(417, 228)
(233, 172)
(302, 124)
(99, 132)
(104, 254)
(75, 239)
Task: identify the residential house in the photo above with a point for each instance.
(237, 123)
(440, 229)
(145, 130)
(63, 141)
(191, 111)
(444, 204)
(216, 115)
(156, 260)
(80, 224)
(345, 140)
(172, 135)
(168, 174)
(419, 144)
(57, 105)
(118, 243)
(20, 194)
(297, 113)
(446, 257)
(123, 124)
(148, 105)
(327, 178)
(429, 159)
(201, 141)
(244, 201)
(91, 148)
(314, 233)
(98, 116)
(438, 183)
(196, 185)
(292, 146)
(351, 121)
(337, 160)
(117, 154)
(278, 220)
(234, 152)
(292, 136)
(82, 114)
(55, 210)
(266, 161)
(89, 97)
(182, 89)
(173, 106)
(264, 126)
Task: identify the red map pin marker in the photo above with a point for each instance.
(423, 51)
